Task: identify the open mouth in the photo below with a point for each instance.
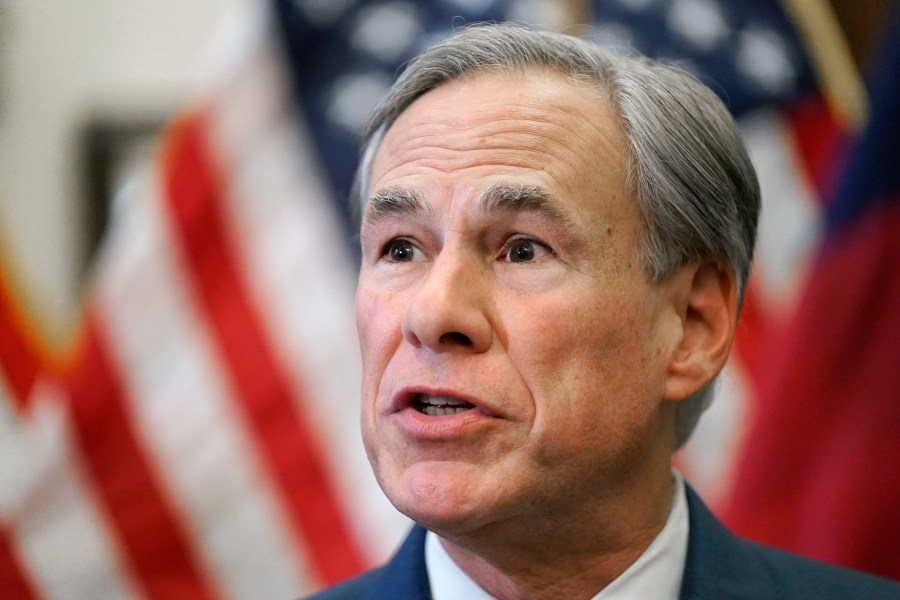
(436, 406)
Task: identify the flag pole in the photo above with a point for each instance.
(829, 52)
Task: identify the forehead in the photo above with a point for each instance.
(533, 128)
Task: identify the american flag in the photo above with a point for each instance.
(202, 440)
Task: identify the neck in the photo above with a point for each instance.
(575, 558)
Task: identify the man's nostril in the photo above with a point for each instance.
(455, 338)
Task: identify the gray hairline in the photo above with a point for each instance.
(647, 173)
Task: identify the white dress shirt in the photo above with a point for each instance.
(655, 574)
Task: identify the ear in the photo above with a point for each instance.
(705, 296)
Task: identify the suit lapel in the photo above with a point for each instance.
(720, 565)
(405, 576)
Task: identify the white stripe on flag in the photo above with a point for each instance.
(47, 505)
(295, 256)
(791, 221)
(184, 409)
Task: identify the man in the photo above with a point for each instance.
(555, 241)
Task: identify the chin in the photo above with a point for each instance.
(442, 503)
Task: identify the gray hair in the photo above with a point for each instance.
(696, 188)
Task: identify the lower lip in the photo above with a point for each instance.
(444, 427)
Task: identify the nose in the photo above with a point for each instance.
(449, 310)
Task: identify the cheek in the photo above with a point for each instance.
(378, 340)
(378, 326)
(378, 323)
(572, 334)
(587, 370)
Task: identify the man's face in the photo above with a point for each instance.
(514, 353)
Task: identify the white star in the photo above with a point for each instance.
(354, 96)
(763, 58)
(700, 22)
(386, 31)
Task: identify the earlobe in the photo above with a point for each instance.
(707, 305)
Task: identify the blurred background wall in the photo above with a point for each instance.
(82, 85)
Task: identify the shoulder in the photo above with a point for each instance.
(405, 576)
(353, 589)
(798, 577)
(721, 565)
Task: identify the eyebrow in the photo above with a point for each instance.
(497, 198)
(394, 202)
(516, 199)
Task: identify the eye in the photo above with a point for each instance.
(521, 250)
(400, 250)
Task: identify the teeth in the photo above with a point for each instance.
(437, 406)
(441, 401)
(438, 411)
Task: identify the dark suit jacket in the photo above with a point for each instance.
(719, 566)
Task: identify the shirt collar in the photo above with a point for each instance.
(657, 573)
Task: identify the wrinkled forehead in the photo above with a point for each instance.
(534, 131)
(531, 112)
(533, 79)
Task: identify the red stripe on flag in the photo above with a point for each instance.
(283, 436)
(753, 337)
(821, 146)
(154, 542)
(20, 360)
(14, 582)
